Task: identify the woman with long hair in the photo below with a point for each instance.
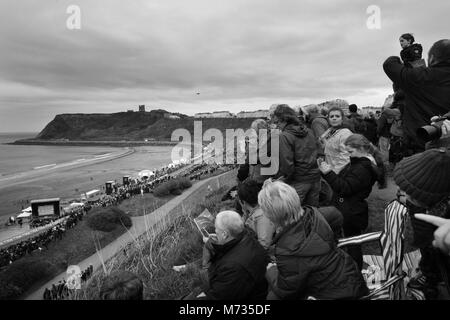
(297, 155)
(353, 185)
(333, 140)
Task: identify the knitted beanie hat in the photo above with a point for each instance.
(425, 176)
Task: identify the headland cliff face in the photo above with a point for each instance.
(156, 125)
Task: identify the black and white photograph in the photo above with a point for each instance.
(315, 134)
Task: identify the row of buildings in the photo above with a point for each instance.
(365, 111)
(227, 114)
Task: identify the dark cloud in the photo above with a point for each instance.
(239, 54)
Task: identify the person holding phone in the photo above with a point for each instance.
(353, 185)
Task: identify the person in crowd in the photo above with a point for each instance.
(253, 216)
(384, 133)
(411, 53)
(333, 140)
(353, 185)
(424, 187)
(371, 128)
(426, 89)
(357, 121)
(396, 143)
(122, 285)
(238, 262)
(317, 121)
(308, 263)
(253, 170)
(298, 151)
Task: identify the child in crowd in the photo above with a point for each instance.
(411, 53)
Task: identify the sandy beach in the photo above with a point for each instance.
(69, 180)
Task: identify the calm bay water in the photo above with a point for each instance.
(18, 158)
(64, 183)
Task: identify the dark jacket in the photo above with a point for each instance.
(411, 53)
(357, 123)
(371, 131)
(237, 270)
(351, 188)
(310, 264)
(251, 168)
(298, 154)
(383, 126)
(427, 92)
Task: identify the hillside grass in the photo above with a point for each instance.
(141, 205)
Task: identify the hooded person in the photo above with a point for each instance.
(424, 187)
(426, 89)
(317, 121)
(298, 149)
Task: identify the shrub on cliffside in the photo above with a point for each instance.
(108, 219)
(22, 274)
(174, 187)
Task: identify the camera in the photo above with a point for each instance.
(434, 131)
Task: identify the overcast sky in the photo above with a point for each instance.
(238, 54)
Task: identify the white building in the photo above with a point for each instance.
(222, 114)
(203, 115)
(171, 116)
(253, 114)
(215, 114)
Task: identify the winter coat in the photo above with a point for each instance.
(253, 170)
(351, 188)
(310, 264)
(336, 153)
(427, 92)
(384, 126)
(358, 124)
(261, 226)
(411, 53)
(297, 155)
(371, 132)
(237, 270)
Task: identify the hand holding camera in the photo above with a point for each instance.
(439, 128)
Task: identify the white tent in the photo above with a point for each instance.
(145, 173)
(24, 214)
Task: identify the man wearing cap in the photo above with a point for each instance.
(424, 180)
(427, 90)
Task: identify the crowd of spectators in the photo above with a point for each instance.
(279, 244)
(62, 290)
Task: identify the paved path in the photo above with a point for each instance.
(140, 225)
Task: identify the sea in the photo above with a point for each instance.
(39, 172)
(20, 158)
